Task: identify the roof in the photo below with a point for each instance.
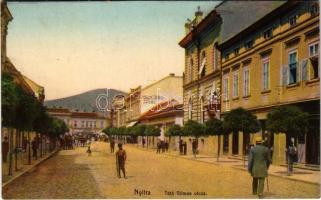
(37, 89)
(166, 107)
(238, 15)
(259, 23)
(86, 115)
(17, 76)
(58, 110)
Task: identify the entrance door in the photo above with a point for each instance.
(313, 143)
(225, 143)
(246, 142)
(235, 145)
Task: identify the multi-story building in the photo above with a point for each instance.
(273, 62)
(202, 74)
(80, 122)
(139, 100)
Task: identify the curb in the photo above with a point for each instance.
(30, 168)
(234, 167)
(286, 177)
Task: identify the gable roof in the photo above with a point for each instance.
(238, 15)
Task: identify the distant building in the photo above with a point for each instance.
(128, 109)
(81, 122)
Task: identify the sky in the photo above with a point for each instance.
(73, 47)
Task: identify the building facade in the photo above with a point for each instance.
(128, 109)
(80, 122)
(274, 62)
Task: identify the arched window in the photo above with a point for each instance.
(202, 110)
(191, 69)
(190, 108)
(203, 63)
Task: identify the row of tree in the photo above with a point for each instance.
(284, 119)
(133, 132)
(23, 112)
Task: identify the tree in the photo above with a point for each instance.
(174, 130)
(139, 130)
(290, 120)
(193, 128)
(9, 100)
(214, 126)
(151, 130)
(240, 119)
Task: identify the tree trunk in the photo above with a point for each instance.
(219, 147)
(41, 141)
(29, 149)
(16, 152)
(10, 151)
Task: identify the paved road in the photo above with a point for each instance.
(73, 174)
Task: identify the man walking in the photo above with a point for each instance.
(120, 160)
(258, 165)
(291, 155)
(112, 145)
(34, 145)
(194, 147)
(5, 149)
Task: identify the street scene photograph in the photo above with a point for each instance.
(160, 99)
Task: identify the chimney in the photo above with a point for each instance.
(198, 15)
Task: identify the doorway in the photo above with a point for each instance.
(235, 143)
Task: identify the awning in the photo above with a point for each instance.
(131, 124)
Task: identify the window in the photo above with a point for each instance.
(246, 81)
(314, 9)
(215, 57)
(82, 124)
(292, 67)
(227, 56)
(249, 44)
(190, 107)
(265, 73)
(225, 87)
(191, 69)
(202, 67)
(267, 34)
(236, 84)
(292, 20)
(202, 111)
(314, 60)
(102, 124)
(237, 51)
(75, 123)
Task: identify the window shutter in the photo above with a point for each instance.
(298, 71)
(304, 69)
(285, 74)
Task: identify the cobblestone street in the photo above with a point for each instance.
(73, 174)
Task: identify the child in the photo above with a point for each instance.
(89, 151)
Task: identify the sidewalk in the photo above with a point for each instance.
(304, 175)
(23, 168)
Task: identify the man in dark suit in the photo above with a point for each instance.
(258, 165)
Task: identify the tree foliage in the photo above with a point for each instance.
(214, 126)
(287, 119)
(174, 130)
(151, 130)
(240, 119)
(9, 100)
(193, 128)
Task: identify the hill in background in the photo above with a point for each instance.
(85, 102)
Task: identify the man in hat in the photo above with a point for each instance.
(258, 165)
(120, 160)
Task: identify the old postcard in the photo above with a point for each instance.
(160, 100)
